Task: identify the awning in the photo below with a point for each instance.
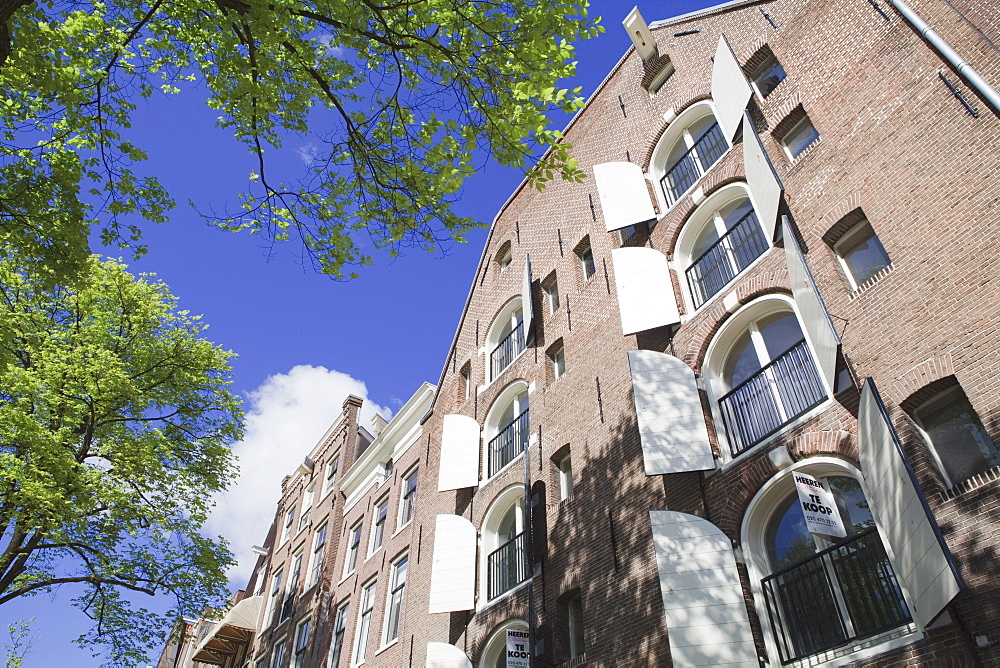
(231, 632)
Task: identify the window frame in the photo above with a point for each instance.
(786, 137)
(550, 289)
(575, 627)
(380, 518)
(764, 68)
(353, 547)
(278, 655)
(510, 499)
(366, 611)
(556, 356)
(678, 131)
(332, 468)
(317, 554)
(286, 531)
(407, 498)
(947, 397)
(339, 632)
(849, 242)
(307, 503)
(392, 605)
(274, 599)
(507, 321)
(300, 645)
(566, 478)
(517, 395)
(584, 252)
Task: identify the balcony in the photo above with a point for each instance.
(507, 566)
(508, 444)
(725, 259)
(783, 390)
(843, 594)
(505, 352)
(693, 163)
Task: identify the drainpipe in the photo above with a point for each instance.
(984, 89)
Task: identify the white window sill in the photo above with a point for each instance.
(385, 647)
(483, 388)
(373, 554)
(486, 481)
(867, 285)
(507, 594)
(400, 529)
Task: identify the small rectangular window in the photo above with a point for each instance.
(958, 439)
(286, 532)
(466, 382)
(378, 525)
(557, 359)
(301, 644)
(565, 478)
(407, 503)
(291, 589)
(550, 288)
(331, 473)
(307, 500)
(586, 256)
(394, 603)
(316, 558)
(273, 599)
(354, 542)
(339, 627)
(574, 619)
(800, 137)
(862, 255)
(768, 75)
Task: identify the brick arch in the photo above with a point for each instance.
(773, 282)
(720, 175)
(923, 381)
(695, 94)
(830, 442)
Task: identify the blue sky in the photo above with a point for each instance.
(303, 340)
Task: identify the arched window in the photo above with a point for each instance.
(689, 147)
(505, 340)
(821, 594)
(720, 240)
(506, 429)
(494, 654)
(762, 373)
(504, 544)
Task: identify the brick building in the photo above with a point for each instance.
(775, 296)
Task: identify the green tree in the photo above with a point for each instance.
(115, 421)
(406, 97)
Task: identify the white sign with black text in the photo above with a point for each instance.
(819, 507)
(518, 653)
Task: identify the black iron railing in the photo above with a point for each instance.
(507, 566)
(727, 257)
(507, 350)
(845, 593)
(508, 444)
(693, 163)
(774, 396)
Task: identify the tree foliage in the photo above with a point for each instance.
(404, 97)
(115, 421)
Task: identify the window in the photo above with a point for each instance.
(504, 256)
(862, 255)
(557, 359)
(316, 558)
(689, 147)
(799, 137)
(289, 521)
(506, 339)
(307, 500)
(378, 525)
(957, 436)
(339, 627)
(507, 427)
(272, 600)
(465, 386)
(364, 623)
(354, 542)
(331, 473)
(394, 603)
(586, 256)
(301, 644)
(768, 75)
(407, 503)
(565, 478)
(278, 657)
(387, 470)
(720, 241)
(494, 654)
(574, 626)
(763, 372)
(821, 593)
(504, 543)
(550, 288)
(292, 587)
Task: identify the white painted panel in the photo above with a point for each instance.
(706, 614)
(645, 292)
(621, 188)
(816, 319)
(527, 311)
(443, 655)
(453, 569)
(921, 560)
(671, 421)
(459, 453)
(765, 187)
(730, 89)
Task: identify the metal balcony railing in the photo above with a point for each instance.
(507, 566)
(726, 258)
(774, 396)
(845, 593)
(508, 444)
(693, 163)
(507, 350)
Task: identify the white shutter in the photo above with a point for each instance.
(763, 180)
(922, 561)
(459, 453)
(443, 655)
(621, 188)
(527, 312)
(707, 621)
(453, 569)
(822, 334)
(730, 89)
(668, 409)
(645, 293)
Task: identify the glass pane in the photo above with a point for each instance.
(865, 257)
(742, 362)
(734, 212)
(780, 331)
(958, 436)
(852, 504)
(788, 539)
(801, 136)
(770, 74)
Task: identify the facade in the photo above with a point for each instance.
(732, 400)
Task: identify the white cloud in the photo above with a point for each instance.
(308, 153)
(286, 417)
(331, 50)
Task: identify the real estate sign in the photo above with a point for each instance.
(518, 650)
(819, 507)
